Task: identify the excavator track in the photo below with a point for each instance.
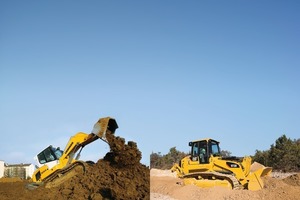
(61, 175)
(218, 176)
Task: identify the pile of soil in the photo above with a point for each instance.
(119, 175)
(293, 180)
(165, 186)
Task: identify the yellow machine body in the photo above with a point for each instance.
(205, 167)
(52, 160)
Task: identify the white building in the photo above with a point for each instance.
(23, 171)
(30, 168)
(1, 168)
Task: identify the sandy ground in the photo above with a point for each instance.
(164, 185)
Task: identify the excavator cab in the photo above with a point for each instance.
(48, 155)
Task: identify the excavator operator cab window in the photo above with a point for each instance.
(58, 153)
(49, 154)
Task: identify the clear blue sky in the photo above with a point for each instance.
(168, 71)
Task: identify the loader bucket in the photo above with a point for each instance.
(254, 178)
(104, 126)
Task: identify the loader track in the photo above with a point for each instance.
(59, 176)
(206, 175)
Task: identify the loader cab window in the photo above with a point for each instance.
(203, 151)
(215, 150)
(199, 151)
(195, 150)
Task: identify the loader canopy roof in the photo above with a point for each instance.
(205, 139)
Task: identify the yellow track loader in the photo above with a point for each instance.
(205, 167)
(56, 166)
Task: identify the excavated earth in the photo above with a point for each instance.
(164, 186)
(119, 175)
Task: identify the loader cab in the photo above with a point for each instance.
(202, 149)
(49, 157)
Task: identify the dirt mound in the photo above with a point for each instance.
(293, 180)
(122, 155)
(119, 175)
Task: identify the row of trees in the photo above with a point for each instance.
(166, 161)
(283, 155)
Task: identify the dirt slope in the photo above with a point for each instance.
(119, 175)
(165, 186)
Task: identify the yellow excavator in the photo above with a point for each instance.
(56, 166)
(205, 167)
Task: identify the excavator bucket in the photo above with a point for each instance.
(254, 178)
(105, 126)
